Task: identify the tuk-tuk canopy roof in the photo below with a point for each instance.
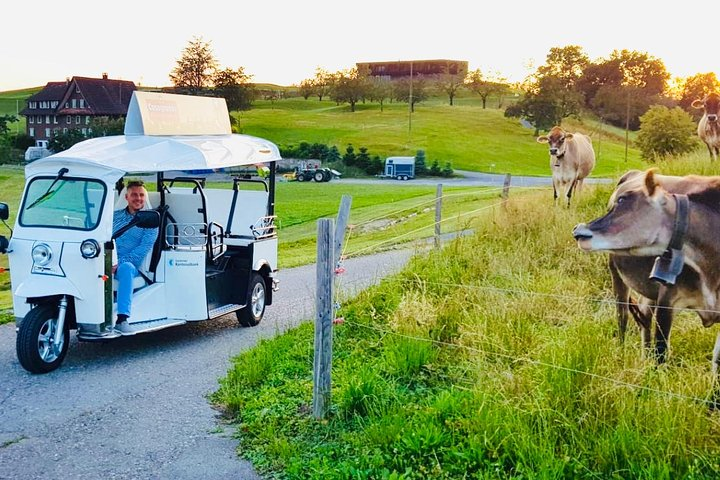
(140, 153)
(165, 132)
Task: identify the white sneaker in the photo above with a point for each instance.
(125, 328)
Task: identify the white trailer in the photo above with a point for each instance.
(400, 168)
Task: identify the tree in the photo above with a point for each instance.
(235, 87)
(565, 64)
(540, 110)
(380, 89)
(449, 83)
(349, 156)
(556, 83)
(666, 132)
(194, 70)
(63, 141)
(485, 85)
(350, 87)
(323, 83)
(5, 121)
(104, 126)
(419, 90)
(695, 88)
(420, 165)
(306, 88)
(623, 86)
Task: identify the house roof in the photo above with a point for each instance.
(102, 96)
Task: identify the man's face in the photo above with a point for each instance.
(135, 197)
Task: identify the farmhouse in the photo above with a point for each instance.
(401, 69)
(72, 104)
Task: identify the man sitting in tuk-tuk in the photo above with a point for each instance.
(132, 248)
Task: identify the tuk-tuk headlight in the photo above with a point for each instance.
(90, 248)
(41, 254)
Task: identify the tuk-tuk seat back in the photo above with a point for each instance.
(250, 207)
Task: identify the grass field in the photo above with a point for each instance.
(495, 357)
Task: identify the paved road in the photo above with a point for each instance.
(136, 408)
(465, 178)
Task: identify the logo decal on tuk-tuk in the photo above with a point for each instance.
(182, 263)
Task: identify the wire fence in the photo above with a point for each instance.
(509, 291)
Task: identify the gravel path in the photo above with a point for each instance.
(136, 408)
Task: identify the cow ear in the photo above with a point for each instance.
(568, 136)
(697, 104)
(542, 139)
(650, 182)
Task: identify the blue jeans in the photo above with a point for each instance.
(125, 274)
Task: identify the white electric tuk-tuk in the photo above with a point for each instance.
(216, 251)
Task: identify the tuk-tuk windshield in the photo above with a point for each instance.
(62, 202)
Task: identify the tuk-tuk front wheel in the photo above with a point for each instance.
(35, 345)
(255, 306)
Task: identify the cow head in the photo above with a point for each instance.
(711, 105)
(556, 139)
(639, 222)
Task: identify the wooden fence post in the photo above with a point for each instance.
(341, 225)
(322, 363)
(506, 187)
(438, 214)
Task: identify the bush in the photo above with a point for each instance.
(666, 132)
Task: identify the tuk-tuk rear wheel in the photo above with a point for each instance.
(254, 309)
(34, 344)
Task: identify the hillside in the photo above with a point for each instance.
(465, 134)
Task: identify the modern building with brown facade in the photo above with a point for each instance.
(402, 68)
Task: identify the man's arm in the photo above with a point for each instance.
(147, 237)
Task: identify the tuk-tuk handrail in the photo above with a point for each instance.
(237, 180)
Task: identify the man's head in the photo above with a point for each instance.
(136, 195)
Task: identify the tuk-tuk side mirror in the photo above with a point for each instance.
(4, 211)
(147, 219)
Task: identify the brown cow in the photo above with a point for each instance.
(572, 158)
(633, 273)
(709, 125)
(646, 219)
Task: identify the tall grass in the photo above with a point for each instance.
(495, 357)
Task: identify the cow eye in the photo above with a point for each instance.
(620, 200)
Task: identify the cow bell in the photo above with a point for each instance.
(668, 266)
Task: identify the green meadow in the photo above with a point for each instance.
(493, 357)
(467, 136)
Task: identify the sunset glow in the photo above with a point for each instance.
(284, 42)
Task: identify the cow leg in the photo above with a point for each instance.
(642, 313)
(570, 191)
(663, 318)
(715, 400)
(555, 191)
(622, 297)
(711, 150)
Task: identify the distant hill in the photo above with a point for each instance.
(465, 135)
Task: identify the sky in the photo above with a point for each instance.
(285, 41)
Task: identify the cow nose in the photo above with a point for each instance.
(581, 230)
(712, 118)
(553, 151)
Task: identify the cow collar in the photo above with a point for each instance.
(669, 265)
